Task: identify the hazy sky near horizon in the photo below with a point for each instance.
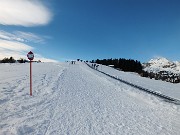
(89, 29)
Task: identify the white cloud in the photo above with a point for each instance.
(14, 46)
(18, 50)
(29, 36)
(14, 49)
(10, 36)
(21, 36)
(24, 13)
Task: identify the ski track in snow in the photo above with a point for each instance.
(76, 100)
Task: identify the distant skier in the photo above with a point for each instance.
(97, 67)
(72, 62)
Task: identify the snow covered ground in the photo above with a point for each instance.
(77, 100)
(166, 88)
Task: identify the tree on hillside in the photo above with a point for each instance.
(21, 60)
(123, 64)
(12, 60)
(8, 60)
(5, 60)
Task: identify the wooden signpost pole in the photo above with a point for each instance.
(30, 78)
(30, 56)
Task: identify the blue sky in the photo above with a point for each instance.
(90, 29)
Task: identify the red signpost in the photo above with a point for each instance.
(30, 56)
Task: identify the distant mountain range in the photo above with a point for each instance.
(162, 64)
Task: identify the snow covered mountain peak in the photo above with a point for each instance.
(162, 64)
(160, 61)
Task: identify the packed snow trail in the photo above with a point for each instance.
(75, 100)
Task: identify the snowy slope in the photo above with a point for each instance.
(75, 100)
(166, 88)
(162, 64)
